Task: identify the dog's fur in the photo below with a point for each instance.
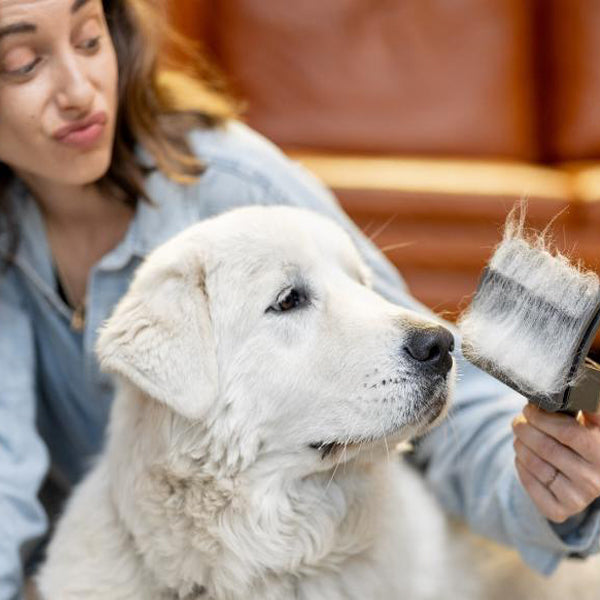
(250, 449)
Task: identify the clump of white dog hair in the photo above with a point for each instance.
(527, 319)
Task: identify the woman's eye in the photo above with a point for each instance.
(19, 62)
(290, 299)
(90, 44)
(26, 70)
(89, 35)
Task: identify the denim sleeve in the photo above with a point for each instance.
(23, 456)
(468, 460)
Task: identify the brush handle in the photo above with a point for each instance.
(585, 394)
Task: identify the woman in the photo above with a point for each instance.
(96, 170)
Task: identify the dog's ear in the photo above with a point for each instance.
(160, 338)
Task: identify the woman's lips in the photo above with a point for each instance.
(83, 134)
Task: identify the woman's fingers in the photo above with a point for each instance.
(543, 471)
(564, 492)
(558, 461)
(543, 498)
(583, 438)
(556, 455)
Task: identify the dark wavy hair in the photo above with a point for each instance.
(160, 100)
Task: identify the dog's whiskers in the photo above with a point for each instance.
(337, 464)
(365, 229)
(343, 453)
(391, 247)
(383, 227)
(387, 449)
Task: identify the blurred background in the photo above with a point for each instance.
(427, 118)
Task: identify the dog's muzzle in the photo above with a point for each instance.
(429, 348)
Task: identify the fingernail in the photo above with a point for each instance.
(518, 420)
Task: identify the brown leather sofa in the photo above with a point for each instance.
(428, 118)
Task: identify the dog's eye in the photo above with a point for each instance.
(289, 299)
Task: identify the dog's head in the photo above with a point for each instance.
(262, 322)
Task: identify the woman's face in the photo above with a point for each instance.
(58, 89)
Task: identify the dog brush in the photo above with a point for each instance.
(532, 321)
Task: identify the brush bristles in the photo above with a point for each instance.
(547, 277)
(529, 315)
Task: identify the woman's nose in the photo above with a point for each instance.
(74, 89)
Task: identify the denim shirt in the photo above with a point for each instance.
(54, 402)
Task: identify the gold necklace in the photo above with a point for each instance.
(78, 316)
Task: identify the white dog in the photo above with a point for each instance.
(262, 385)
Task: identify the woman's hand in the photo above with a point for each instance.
(558, 460)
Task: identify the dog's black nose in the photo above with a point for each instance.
(430, 347)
